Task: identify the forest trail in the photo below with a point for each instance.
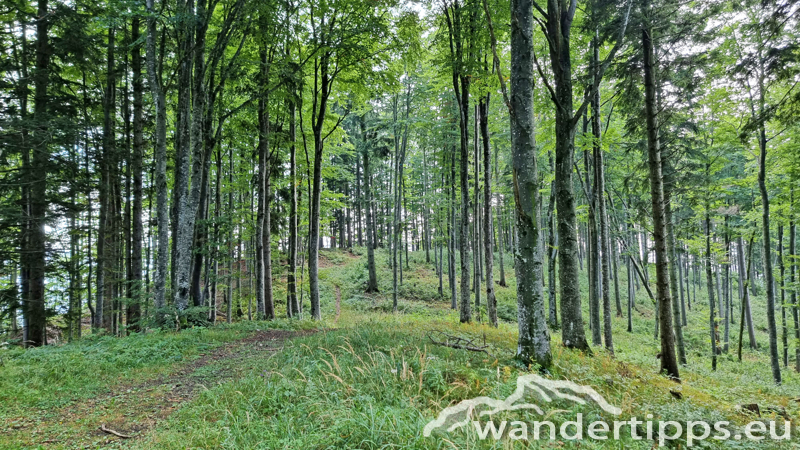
(135, 409)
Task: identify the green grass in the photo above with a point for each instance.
(370, 379)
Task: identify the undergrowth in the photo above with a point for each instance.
(371, 379)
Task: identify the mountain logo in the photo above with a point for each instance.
(461, 414)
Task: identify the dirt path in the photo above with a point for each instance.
(133, 409)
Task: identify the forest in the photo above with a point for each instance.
(319, 223)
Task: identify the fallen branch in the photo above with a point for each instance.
(115, 433)
(460, 344)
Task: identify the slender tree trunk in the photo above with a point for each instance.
(476, 225)
(105, 193)
(630, 294)
(263, 164)
(552, 252)
(725, 285)
(135, 309)
(615, 260)
(491, 301)
(269, 301)
(605, 245)
(231, 247)
(162, 210)
(681, 286)
(372, 283)
(463, 236)
(499, 227)
(400, 155)
(669, 364)
(359, 201)
(673, 272)
(793, 295)
(292, 308)
(784, 327)
(712, 317)
(451, 232)
(768, 276)
(745, 298)
(592, 237)
(322, 93)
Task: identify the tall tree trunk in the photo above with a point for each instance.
(322, 92)
(673, 272)
(162, 210)
(476, 228)
(491, 301)
(399, 158)
(793, 295)
(372, 283)
(558, 29)
(592, 244)
(725, 287)
(463, 235)
(269, 301)
(186, 198)
(767, 256)
(262, 234)
(605, 245)
(35, 306)
(359, 204)
(231, 247)
(745, 297)
(451, 231)
(681, 286)
(615, 259)
(292, 308)
(461, 86)
(534, 337)
(552, 251)
(107, 162)
(784, 327)
(135, 308)
(712, 317)
(669, 364)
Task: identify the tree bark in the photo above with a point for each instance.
(745, 297)
(162, 210)
(558, 29)
(461, 85)
(534, 337)
(768, 276)
(451, 232)
(186, 198)
(673, 272)
(491, 301)
(105, 239)
(231, 246)
(322, 91)
(793, 295)
(135, 308)
(293, 308)
(669, 363)
(35, 303)
(712, 317)
(782, 271)
(605, 245)
(372, 283)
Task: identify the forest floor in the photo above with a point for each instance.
(363, 378)
(129, 408)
